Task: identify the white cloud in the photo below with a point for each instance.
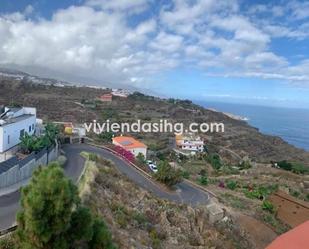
(167, 42)
(129, 6)
(99, 41)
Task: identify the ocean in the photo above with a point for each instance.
(288, 123)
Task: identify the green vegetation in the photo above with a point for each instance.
(215, 161)
(268, 206)
(106, 137)
(270, 218)
(297, 168)
(232, 185)
(52, 216)
(109, 113)
(167, 175)
(93, 157)
(244, 165)
(203, 180)
(259, 192)
(8, 242)
(186, 174)
(234, 201)
(141, 158)
(31, 144)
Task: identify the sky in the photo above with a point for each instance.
(254, 52)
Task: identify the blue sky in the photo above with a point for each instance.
(252, 52)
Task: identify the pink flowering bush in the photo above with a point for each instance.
(128, 155)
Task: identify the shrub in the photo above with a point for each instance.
(299, 168)
(203, 180)
(93, 157)
(260, 192)
(245, 165)
(155, 239)
(285, 165)
(7, 243)
(141, 158)
(268, 206)
(106, 137)
(102, 237)
(295, 193)
(231, 184)
(31, 144)
(203, 172)
(215, 161)
(221, 184)
(125, 153)
(140, 218)
(167, 175)
(185, 174)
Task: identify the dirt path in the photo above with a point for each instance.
(260, 234)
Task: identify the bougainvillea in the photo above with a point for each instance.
(128, 155)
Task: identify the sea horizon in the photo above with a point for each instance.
(289, 123)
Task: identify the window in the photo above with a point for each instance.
(32, 126)
(8, 139)
(29, 128)
(22, 133)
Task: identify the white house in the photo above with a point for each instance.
(189, 142)
(131, 144)
(120, 93)
(14, 123)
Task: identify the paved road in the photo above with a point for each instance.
(9, 204)
(185, 193)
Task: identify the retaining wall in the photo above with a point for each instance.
(14, 171)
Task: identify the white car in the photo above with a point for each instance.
(153, 167)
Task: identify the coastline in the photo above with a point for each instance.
(231, 115)
(290, 124)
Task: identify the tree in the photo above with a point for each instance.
(106, 136)
(167, 175)
(51, 134)
(52, 217)
(47, 204)
(31, 144)
(215, 161)
(101, 238)
(27, 143)
(141, 158)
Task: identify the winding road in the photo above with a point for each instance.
(184, 193)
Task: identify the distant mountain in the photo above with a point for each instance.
(34, 79)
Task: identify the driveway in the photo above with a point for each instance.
(185, 193)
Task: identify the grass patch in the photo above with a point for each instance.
(89, 174)
(234, 201)
(276, 224)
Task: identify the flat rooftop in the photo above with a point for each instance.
(8, 121)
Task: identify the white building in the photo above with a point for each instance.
(121, 93)
(189, 142)
(131, 144)
(14, 123)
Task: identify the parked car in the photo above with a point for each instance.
(153, 168)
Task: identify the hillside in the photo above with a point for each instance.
(64, 104)
(138, 219)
